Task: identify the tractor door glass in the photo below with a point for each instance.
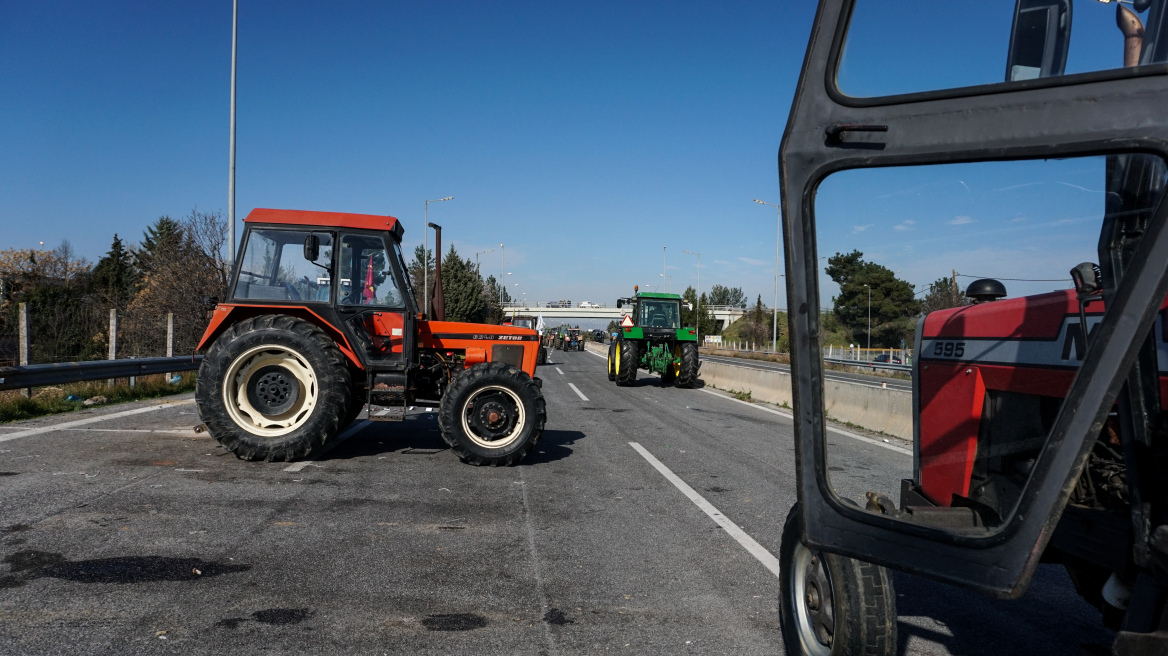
(401, 264)
(366, 273)
(659, 314)
(896, 48)
(273, 267)
(951, 329)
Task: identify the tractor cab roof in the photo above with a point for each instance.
(657, 295)
(326, 219)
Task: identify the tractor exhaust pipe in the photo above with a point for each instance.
(437, 301)
(1133, 35)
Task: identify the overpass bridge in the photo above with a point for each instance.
(725, 315)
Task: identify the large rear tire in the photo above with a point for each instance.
(492, 414)
(832, 605)
(273, 388)
(612, 365)
(628, 358)
(541, 358)
(687, 371)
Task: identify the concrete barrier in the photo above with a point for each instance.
(874, 408)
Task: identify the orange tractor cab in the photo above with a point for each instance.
(321, 321)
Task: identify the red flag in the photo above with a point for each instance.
(368, 294)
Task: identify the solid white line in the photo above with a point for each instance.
(598, 355)
(349, 432)
(578, 392)
(172, 431)
(754, 548)
(838, 431)
(560, 370)
(89, 420)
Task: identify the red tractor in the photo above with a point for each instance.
(321, 322)
(1040, 422)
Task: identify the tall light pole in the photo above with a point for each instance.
(664, 249)
(477, 257)
(231, 142)
(778, 234)
(502, 275)
(869, 317)
(426, 247)
(697, 298)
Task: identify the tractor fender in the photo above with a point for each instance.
(226, 315)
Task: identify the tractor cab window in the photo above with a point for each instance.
(274, 267)
(659, 314)
(366, 273)
(896, 48)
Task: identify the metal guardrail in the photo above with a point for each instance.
(870, 365)
(40, 375)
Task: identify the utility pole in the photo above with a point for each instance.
(697, 299)
(663, 253)
(775, 310)
(502, 275)
(231, 144)
(869, 317)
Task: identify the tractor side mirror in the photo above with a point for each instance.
(620, 302)
(687, 305)
(312, 248)
(1039, 39)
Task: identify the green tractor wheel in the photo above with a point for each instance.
(628, 358)
(687, 370)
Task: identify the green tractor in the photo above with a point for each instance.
(651, 337)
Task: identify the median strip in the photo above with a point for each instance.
(755, 549)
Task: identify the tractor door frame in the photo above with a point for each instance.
(1091, 114)
(347, 312)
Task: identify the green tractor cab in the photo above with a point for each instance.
(651, 337)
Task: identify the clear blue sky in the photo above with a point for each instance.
(584, 136)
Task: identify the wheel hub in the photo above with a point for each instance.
(493, 417)
(274, 390)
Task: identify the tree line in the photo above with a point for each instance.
(171, 270)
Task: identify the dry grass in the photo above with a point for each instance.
(54, 400)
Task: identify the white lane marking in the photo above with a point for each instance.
(837, 431)
(134, 430)
(560, 370)
(89, 420)
(350, 432)
(597, 354)
(754, 548)
(578, 392)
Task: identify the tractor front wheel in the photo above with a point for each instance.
(541, 358)
(492, 414)
(628, 358)
(687, 370)
(832, 605)
(669, 375)
(273, 387)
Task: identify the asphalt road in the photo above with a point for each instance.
(846, 376)
(134, 534)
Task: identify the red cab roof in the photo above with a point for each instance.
(331, 219)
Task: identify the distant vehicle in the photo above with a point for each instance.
(586, 304)
(884, 357)
(598, 336)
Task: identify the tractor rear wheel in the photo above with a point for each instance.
(628, 358)
(273, 387)
(541, 358)
(687, 371)
(612, 365)
(492, 414)
(832, 605)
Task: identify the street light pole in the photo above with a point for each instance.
(426, 247)
(775, 311)
(477, 257)
(697, 299)
(869, 317)
(231, 145)
(502, 275)
(663, 253)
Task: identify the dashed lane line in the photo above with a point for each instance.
(346, 434)
(560, 370)
(40, 430)
(578, 392)
(755, 549)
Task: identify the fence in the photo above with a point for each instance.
(864, 355)
(86, 332)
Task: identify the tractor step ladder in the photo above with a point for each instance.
(387, 397)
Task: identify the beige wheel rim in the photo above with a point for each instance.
(493, 417)
(277, 372)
